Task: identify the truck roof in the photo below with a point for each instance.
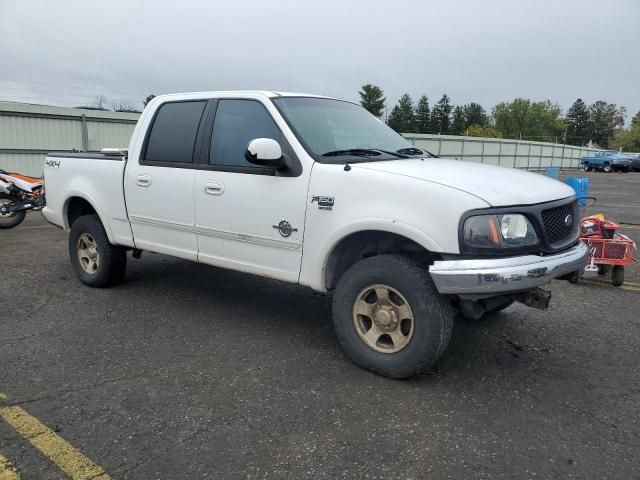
(266, 93)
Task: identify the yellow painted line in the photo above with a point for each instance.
(621, 287)
(7, 470)
(67, 458)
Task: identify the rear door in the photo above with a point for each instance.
(159, 186)
(249, 218)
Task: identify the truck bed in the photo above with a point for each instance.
(96, 178)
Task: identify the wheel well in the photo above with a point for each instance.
(76, 208)
(360, 245)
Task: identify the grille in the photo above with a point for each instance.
(554, 225)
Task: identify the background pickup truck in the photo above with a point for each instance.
(316, 191)
(609, 161)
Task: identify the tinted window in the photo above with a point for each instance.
(238, 122)
(174, 131)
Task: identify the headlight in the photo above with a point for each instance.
(510, 230)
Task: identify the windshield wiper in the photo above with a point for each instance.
(356, 152)
(415, 151)
(363, 152)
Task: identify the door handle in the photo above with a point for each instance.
(143, 180)
(213, 188)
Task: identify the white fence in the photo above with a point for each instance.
(504, 152)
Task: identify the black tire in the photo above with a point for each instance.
(574, 277)
(112, 259)
(433, 316)
(586, 167)
(604, 269)
(607, 168)
(11, 221)
(617, 275)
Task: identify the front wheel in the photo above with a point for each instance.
(389, 318)
(10, 220)
(607, 169)
(96, 262)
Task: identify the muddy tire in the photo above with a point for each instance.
(389, 317)
(95, 261)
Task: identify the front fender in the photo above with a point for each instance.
(314, 266)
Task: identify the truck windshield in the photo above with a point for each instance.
(339, 132)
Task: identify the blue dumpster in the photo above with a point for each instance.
(552, 172)
(581, 187)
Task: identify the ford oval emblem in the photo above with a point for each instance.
(568, 220)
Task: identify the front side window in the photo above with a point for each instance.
(330, 128)
(237, 122)
(174, 131)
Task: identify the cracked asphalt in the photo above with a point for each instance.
(187, 371)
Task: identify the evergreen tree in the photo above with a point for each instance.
(372, 98)
(423, 116)
(474, 114)
(402, 118)
(604, 119)
(441, 115)
(457, 121)
(577, 121)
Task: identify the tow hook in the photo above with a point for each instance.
(536, 298)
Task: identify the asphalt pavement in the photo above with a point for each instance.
(186, 371)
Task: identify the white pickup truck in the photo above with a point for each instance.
(316, 191)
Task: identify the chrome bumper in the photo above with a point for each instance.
(500, 275)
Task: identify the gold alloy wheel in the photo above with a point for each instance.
(383, 318)
(88, 255)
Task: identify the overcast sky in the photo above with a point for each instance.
(67, 52)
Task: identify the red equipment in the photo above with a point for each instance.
(609, 250)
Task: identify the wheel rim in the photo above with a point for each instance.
(88, 255)
(6, 201)
(383, 318)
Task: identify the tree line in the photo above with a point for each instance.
(600, 122)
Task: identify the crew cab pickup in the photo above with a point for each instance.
(317, 191)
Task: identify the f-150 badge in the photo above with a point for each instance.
(324, 202)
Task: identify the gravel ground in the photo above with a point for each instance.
(186, 371)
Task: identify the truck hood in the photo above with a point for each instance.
(498, 186)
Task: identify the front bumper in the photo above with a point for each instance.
(503, 275)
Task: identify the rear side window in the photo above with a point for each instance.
(174, 130)
(238, 122)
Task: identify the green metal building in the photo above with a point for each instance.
(28, 132)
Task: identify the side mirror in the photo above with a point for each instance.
(265, 152)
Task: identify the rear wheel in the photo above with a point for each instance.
(607, 168)
(389, 318)
(617, 275)
(10, 220)
(96, 262)
(586, 167)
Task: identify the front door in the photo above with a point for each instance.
(249, 218)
